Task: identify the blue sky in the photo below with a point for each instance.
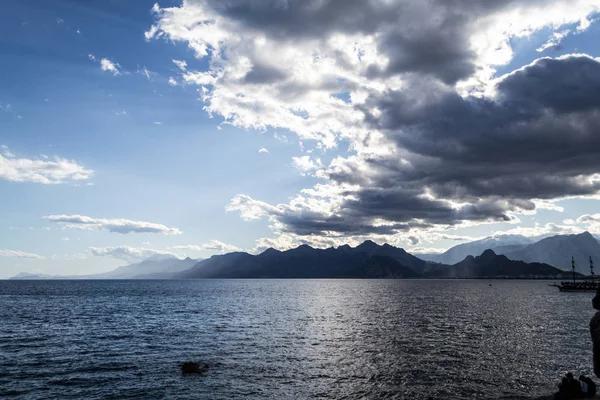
(86, 82)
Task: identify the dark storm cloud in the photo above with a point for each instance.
(413, 240)
(563, 85)
(264, 74)
(403, 207)
(306, 18)
(453, 158)
(424, 37)
(543, 112)
(310, 224)
(540, 117)
(538, 139)
(397, 204)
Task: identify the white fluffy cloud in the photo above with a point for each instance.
(426, 250)
(213, 246)
(548, 229)
(117, 225)
(266, 69)
(589, 222)
(263, 150)
(6, 151)
(58, 170)
(554, 40)
(107, 65)
(110, 66)
(305, 164)
(19, 254)
(127, 253)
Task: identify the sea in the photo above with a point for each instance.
(290, 339)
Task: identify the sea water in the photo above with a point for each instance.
(290, 339)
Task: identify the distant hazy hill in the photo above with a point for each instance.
(365, 261)
(151, 268)
(557, 251)
(27, 275)
(155, 267)
(500, 245)
(490, 265)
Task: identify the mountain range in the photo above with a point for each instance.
(368, 260)
(555, 250)
(492, 265)
(558, 250)
(500, 245)
(506, 256)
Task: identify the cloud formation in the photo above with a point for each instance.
(116, 225)
(437, 140)
(213, 246)
(127, 253)
(544, 230)
(146, 72)
(554, 40)
(305, 164)
(111, 66)
(19, 254)
(6, 151)
(43, 171)
(589, 222)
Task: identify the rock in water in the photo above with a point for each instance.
(193, 368)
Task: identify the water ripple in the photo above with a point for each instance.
(319, 339)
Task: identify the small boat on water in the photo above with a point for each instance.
(585, 285)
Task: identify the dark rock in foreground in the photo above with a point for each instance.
(194, 368)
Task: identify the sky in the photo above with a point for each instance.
(201, 127)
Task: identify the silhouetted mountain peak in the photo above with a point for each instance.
(300, 250)
(488, 254)
(367, 245)
(304, 247)
(585, 236)
(308, 262)
(270, 251)
(489, 265)
(501, 244)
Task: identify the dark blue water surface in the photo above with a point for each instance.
(289, 339)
